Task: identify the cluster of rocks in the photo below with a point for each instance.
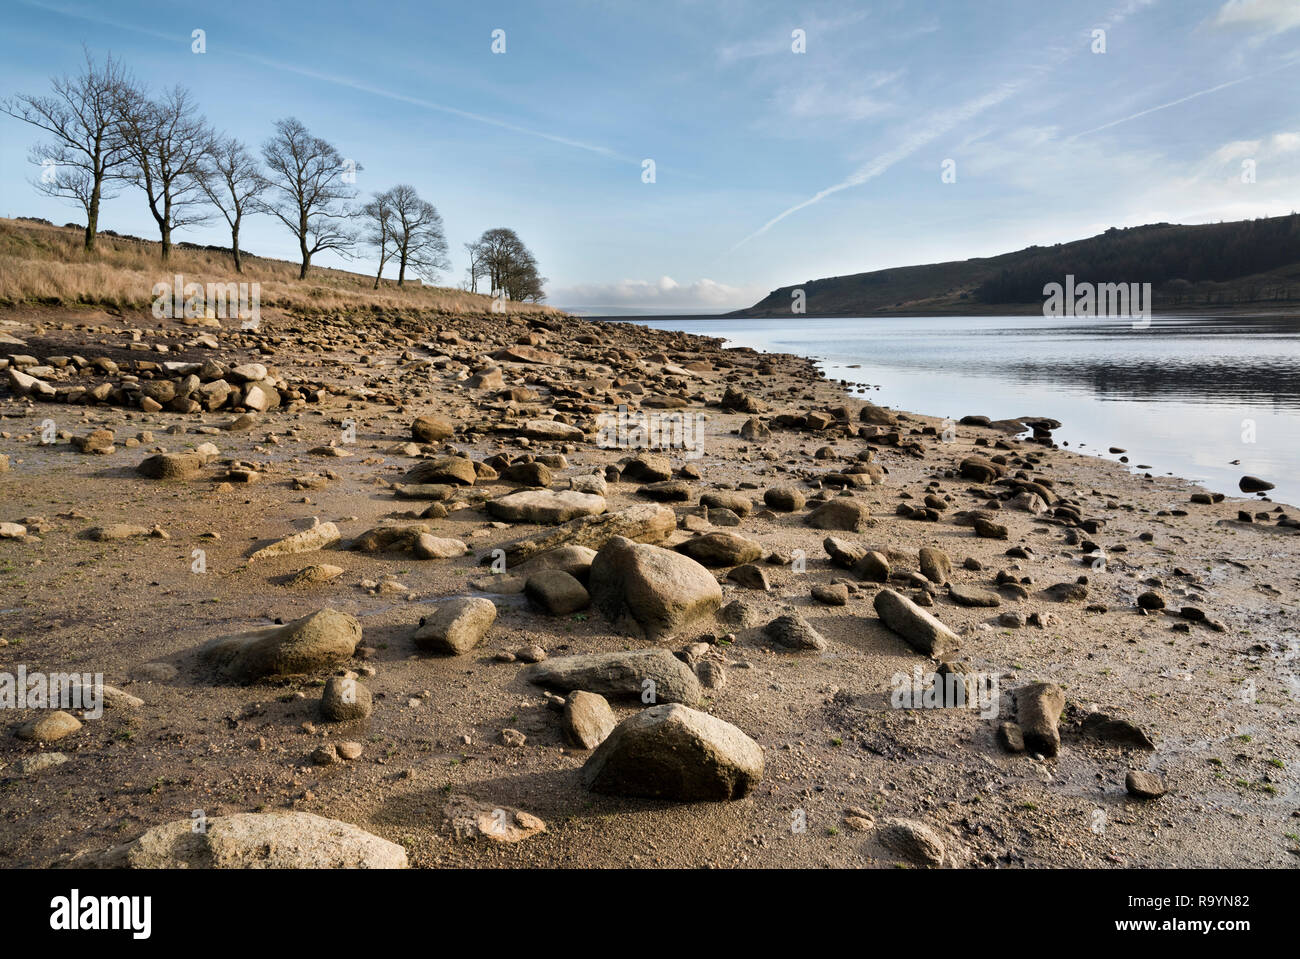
(152, 386)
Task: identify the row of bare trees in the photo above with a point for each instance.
(510, 268)
(107, 130)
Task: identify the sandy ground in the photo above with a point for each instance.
(1220, 706)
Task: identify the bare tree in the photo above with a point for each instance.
(309, 190)
(509, 265)
(380, 229)
(421, 242)
(232, 182)
(87, 153)
(169, 142)
(475, 270)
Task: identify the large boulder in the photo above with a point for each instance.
(280, 840)
(674, 752)
(649, 591)
(324, 638)
(622, 674)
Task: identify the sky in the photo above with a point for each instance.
(787, 141)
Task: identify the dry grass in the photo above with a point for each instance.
(48, 265)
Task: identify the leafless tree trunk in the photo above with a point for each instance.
(421, 244)
(169, 142)
(232, 183)
(87, 152)
(380, 222)
(308, 191)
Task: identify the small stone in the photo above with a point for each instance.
(1144, 785)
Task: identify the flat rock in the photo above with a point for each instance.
(646, 523)
(116, 531)
(308, 541)
(469, 819)
(444, 470)
(552, 430)
(281, 840)
(545, 506)
(428, 546)
(972, 596)
(621, 674)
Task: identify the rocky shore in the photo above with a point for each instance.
(405, 590)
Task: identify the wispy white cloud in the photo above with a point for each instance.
(778, 39)
(664, 293)
(942, 122)
(1271, 16)
(342, 81)
(1181, 100)
(935, 127)
(819, 99)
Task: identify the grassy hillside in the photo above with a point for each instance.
(1238, 265)
(47, 265)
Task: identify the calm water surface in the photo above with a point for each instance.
(1186, 396)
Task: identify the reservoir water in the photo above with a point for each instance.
(1187, 396)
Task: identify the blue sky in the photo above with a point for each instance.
(771, 167)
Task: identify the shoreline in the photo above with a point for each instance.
(835, 749)
(1207, 484)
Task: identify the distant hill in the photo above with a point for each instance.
(1236, 265)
